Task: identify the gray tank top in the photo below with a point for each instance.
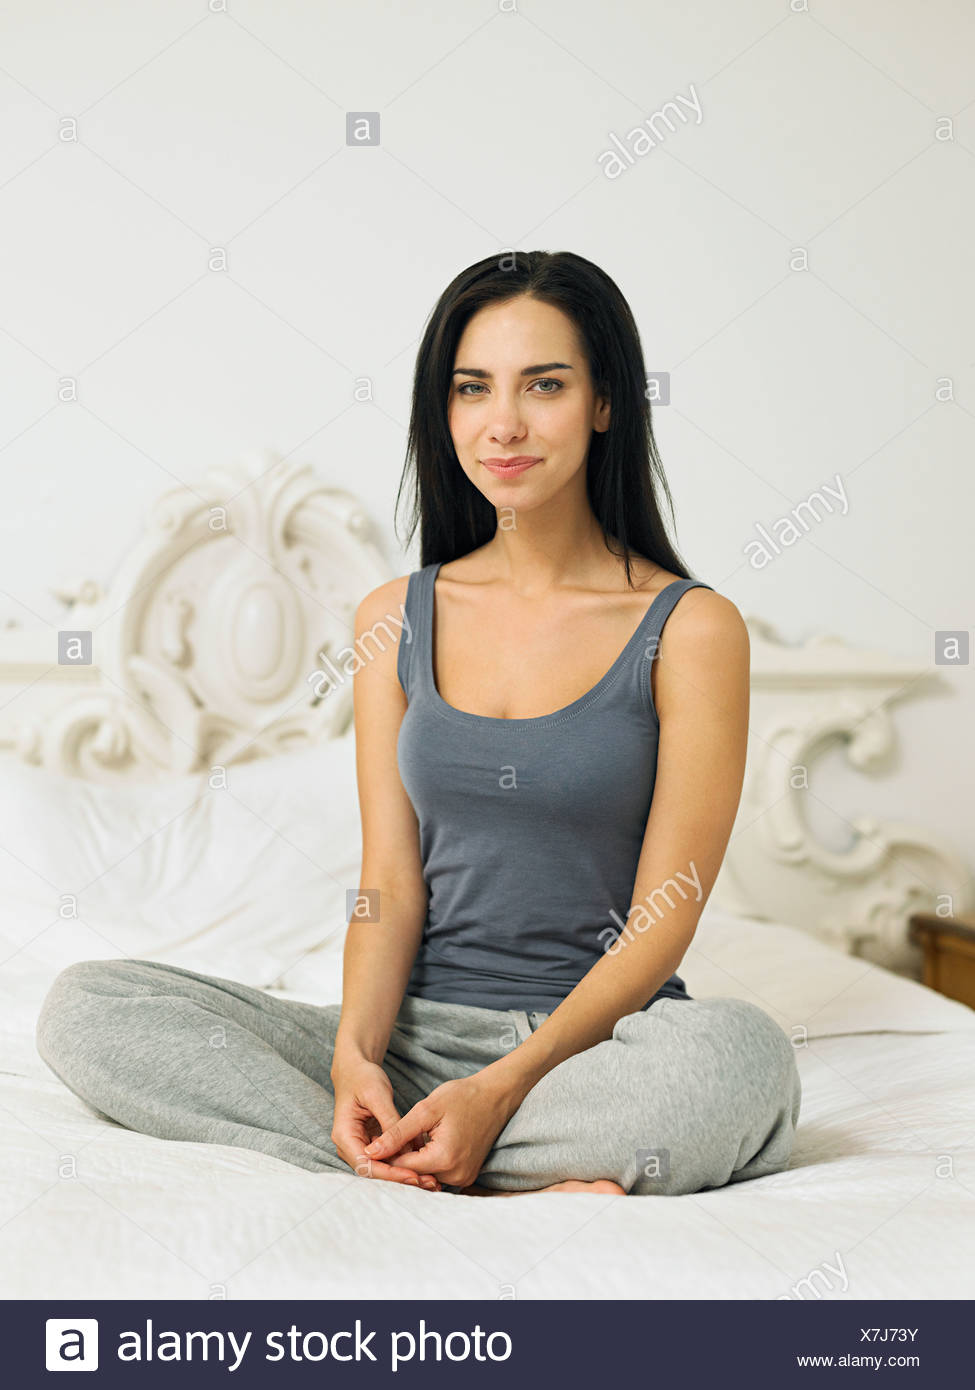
(530, 829)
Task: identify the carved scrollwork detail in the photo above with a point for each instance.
(804, 700)
(177, 614)
(209, 636)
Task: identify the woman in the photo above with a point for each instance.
(545, 806)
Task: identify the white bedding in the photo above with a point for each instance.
(878, 1202)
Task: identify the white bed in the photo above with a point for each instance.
(101, 799)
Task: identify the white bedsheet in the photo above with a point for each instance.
(879, 1200)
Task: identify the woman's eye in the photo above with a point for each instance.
(542, 381)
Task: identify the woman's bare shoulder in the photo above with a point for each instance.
(702, 615)
(706, 619)
(383, 608)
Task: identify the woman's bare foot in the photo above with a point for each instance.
(602, 1186)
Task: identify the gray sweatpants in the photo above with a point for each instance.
(689, 1094)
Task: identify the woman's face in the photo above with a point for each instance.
(521, 388)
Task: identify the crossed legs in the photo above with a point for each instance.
(685, 1096)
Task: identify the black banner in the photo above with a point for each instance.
(419, 1343)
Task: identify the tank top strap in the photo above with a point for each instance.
(639, 685)
(412, 658)
(665, 602)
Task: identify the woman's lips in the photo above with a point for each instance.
(508, 468)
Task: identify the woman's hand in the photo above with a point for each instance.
(363, 1108)
(462, 1118)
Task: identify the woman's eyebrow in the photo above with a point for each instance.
(525, 371)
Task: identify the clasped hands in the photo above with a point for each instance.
(444, 1138)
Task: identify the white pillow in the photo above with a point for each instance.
(238, 881)
(810, 988)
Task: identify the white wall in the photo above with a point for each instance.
(201, 129)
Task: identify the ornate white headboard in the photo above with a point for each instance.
(805, 700)
(206, 647)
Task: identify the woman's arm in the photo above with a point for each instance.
(378, 952)
(702, 702)
(379, 955)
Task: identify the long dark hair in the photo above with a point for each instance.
(623, 470)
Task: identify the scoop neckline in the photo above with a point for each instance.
(533, 721)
